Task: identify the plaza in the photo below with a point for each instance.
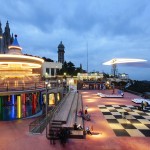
(15, 134)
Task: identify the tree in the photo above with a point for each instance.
(68, 68)
(47, 59)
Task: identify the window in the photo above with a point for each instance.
(52, 71)
(47, 70)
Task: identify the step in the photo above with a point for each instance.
(77, 134)
(56, 123)
(56, 126)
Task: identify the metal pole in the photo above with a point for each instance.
(46, 108)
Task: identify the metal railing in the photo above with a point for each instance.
(26, 86)
(38, 125)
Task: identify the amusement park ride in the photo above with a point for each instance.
(113, 62)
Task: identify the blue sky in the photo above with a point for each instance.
(112, 29)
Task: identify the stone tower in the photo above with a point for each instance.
(61, 52)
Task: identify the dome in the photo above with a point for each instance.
(15, 47)
(61, 45)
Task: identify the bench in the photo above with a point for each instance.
(79, 120)
(63, 113)
(72, 114)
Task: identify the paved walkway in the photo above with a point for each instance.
(14, 135)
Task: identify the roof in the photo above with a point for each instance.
(61, 45)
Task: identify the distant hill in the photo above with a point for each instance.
(139, 86)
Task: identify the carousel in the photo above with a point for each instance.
(18, 72)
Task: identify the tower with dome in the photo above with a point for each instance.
(61, 52)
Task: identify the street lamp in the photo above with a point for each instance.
(47, 83)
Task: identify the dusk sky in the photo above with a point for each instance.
(106, 28)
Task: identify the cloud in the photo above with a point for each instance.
(111, 28)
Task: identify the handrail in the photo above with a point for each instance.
(38, 125)
(61, 103)
(5, 87)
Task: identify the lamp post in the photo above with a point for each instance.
(46, 110)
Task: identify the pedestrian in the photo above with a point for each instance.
(80, 113)
(91, 127)
(142, 105)
(88, 131)
(86, 109)
(52, 136)
(75, 126)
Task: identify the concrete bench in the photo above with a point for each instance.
(62, 115)
(79, 120)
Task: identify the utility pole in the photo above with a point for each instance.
(87, 57)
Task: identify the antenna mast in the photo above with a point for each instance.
(87, 57)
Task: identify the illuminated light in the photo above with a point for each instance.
(23, 98)
(85, 96)
(13, 112)
(97, 134)
(14, 47)
(22, 56)
(58, 96)
(13, 99)
(90, 100)
(31, 62)
(31, 65)
(123, 60)
(84, 92)
(51, 99)
(92, 109)
(18, 65)
(18, 107)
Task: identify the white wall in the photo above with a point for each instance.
(51, 65)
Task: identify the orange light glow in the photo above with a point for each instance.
(92, 109)
(15, 47)
(19, 65)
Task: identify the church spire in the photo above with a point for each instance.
(1, 40)
(6, 37)
(7, 29)
(1, 29)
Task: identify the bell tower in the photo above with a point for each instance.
(61, 52)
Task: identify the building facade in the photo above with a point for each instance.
(51, 68)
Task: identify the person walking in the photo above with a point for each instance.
(86, 109)
(52, 136)
(88, 131)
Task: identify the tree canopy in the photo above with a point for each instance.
(70, 69)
